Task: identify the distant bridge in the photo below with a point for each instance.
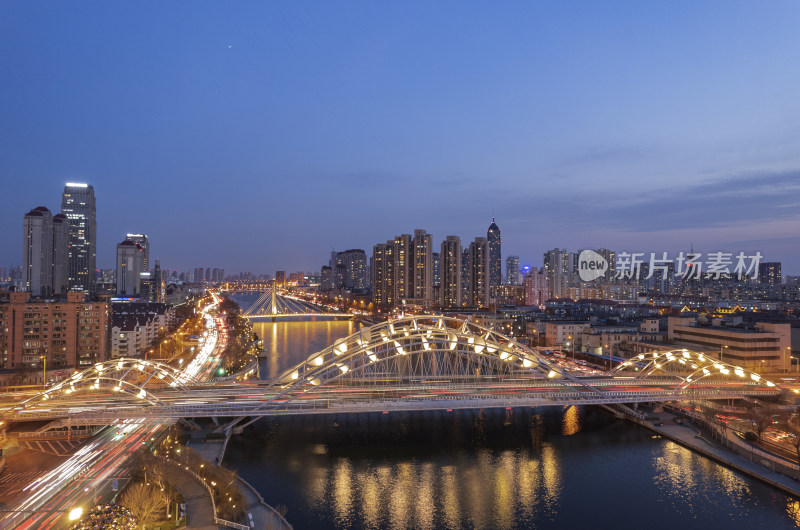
(273, 306)
(413, 363)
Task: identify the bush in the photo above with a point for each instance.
(750, 436)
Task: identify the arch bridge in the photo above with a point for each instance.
(413, 363)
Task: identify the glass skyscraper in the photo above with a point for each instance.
(77, 203)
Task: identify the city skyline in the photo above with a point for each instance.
(577, 126)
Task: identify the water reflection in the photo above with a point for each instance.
(543, 468)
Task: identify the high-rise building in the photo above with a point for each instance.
(78, 204)
(60, 254)
(535, 287)
(354, 276)
(197, 275)
(611, 258)
(326, 279)
(280, 278)
(479, 272)
(403, 268)
(512, 270)
(450, 289)
(65, 333)
(769, 272)
(559, 266)
(423, 267)
(465, 276)
(143, 243)
(37, 251)
(383, 274)
(495, 259)
(130, 266)
(436, 260)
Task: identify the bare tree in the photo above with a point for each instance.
(146, 502)
(760, 418)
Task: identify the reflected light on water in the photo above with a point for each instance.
(570, 423)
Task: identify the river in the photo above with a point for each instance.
(544, 468)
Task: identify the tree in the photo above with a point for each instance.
(146, 502)
(760, 418)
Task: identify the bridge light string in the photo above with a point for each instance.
(387, 342)
(701, 367)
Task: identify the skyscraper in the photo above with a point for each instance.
(423, 267)
(355, 269)
(512, 270)
(559, 266)
(403, 268)
(78, 204)
(383, 274)
(451, 272)
(130, 266)
(60, 254)
(144, 244)
(37, 251)
(479, 272)
(495, 260)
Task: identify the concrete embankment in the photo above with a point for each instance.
(677, 429)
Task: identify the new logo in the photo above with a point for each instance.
(591, 265)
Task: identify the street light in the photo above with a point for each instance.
(44, 370)
(720, 351)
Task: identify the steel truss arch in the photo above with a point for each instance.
(420, 349)
(133, 377)
(689, 367)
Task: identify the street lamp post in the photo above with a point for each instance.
(609, 356)
(44, 371)
(721, 347)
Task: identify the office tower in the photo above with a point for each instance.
(495, 261)
(403, 270)
(559, 267)
(479, 266)
(197, 275)
(326, 279)
(37, 252)
(535, 287)
(769, 272)
(423, 267)
(60, 254)
(383, 274)
(512, 270)
(78, 204)
(130, 266)
(280, 278)
(207, 277)
(450, 290)
(354, 276)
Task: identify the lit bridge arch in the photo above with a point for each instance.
(418, 351)
(136, 379)
(689, 368)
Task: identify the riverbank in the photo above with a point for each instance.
(687, 435)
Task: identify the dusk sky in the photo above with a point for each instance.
(256, 136)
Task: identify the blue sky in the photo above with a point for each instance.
(259, 135)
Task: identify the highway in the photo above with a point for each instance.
(86, 478)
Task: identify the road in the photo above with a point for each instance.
(86, 478)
